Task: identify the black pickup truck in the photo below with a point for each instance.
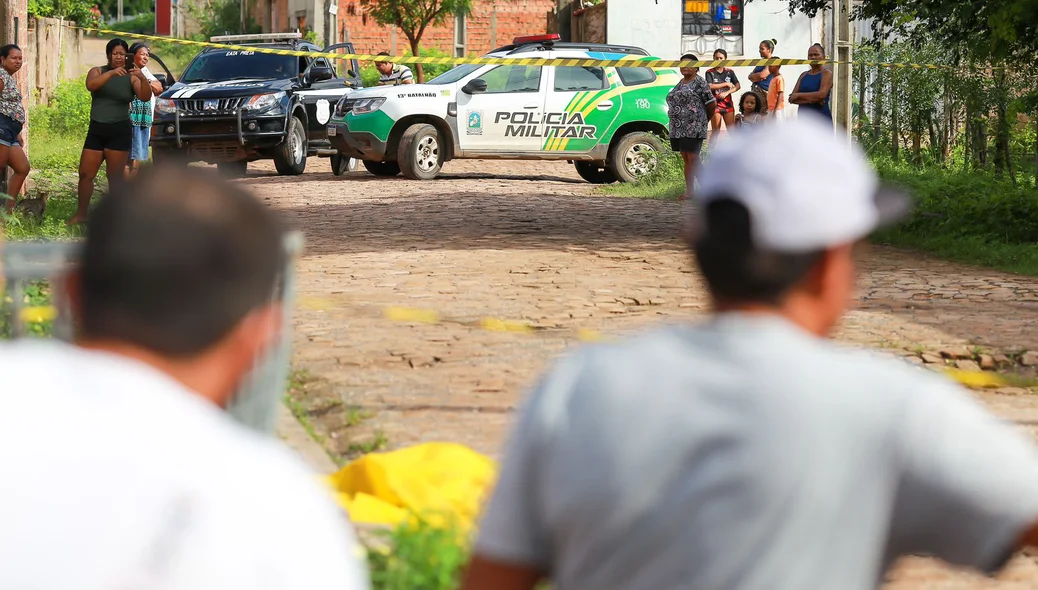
(230, 108)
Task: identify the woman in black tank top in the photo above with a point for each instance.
(112, 87)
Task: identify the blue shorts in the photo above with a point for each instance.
(141, 140)
(9, 130)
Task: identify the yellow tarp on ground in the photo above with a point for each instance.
(437, 481)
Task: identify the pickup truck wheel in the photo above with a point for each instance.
(382, 168)
(421, 152)
(234, 169)
(342, 164)
(290, 156)
(595, 172)
(635, 156)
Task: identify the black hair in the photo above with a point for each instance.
(735, 271)
(174, 259)
(722, 52)
(137, 47)
(383, 54)
(756, 102)
(819, 46)
(689, 57)
(770, 44)
(117, 42)
(6, 50)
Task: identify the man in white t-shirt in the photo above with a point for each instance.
(749, 452)
(120, 467)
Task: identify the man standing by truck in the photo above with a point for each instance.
(392, 74)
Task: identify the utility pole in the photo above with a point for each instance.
(842, 89)
(119, 11)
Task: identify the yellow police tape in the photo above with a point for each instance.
(526, 61)
(411, 315)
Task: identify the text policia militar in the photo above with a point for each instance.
(563, 125)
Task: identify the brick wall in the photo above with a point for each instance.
(491, 24)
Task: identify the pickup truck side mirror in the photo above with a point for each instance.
(319, 74)
(475, 86)
(351, 74)
(163, 80)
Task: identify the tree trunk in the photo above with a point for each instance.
(895, 131)
(934, 142)
(877, 108)
(1036, 149)
(947, 131)
(1001, 127)
(861, 100)
(418, 67)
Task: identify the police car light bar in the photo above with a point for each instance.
(256, 37)
(537, 39)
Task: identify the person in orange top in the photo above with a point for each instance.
(776, 93)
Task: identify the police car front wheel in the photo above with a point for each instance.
(420, 154)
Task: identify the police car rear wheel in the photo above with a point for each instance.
(635, 156)
(382, 168)
(595, 172)
(420, 155)
(290, 156)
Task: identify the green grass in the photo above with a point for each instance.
(666, 182)
(377, 443)
(421, 557)
(970, 217)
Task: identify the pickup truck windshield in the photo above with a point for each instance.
(222, 66)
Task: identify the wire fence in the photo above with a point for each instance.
(34, 305)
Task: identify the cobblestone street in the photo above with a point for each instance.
(530, 241)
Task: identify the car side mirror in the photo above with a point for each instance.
(351, 74)
(321, 74)
(162, 80)
(475, 86)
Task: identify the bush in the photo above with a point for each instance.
(142, 24)
(68, 112)
(369, 74)
(966, 204)
(420, 556)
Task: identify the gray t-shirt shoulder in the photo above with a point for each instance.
(745, 454)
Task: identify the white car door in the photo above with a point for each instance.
(507, 117)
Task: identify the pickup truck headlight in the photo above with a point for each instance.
(165, 106)
(368, 105)
(263, 102)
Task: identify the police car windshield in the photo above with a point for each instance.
(453, 75)
(221, 66)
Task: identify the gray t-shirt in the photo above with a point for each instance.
(745, 454)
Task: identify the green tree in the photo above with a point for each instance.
(74, 10)
(413, 17)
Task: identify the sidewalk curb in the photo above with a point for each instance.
(292, 433)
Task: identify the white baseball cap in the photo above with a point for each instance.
(806, 187)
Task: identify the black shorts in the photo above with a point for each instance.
(687, 144)
(9, 130)
(109, 136)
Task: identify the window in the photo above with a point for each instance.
(513, 79)
(636, 76)
(576, 78)
(707, 25)
(459, 34)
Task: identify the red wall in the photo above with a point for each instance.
(513, 18)
(163, 15)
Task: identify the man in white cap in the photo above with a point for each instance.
(749, 452)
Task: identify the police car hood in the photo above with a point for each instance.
(226, 88)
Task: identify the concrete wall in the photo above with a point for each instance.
(653, 26)
(52, 54)
(591, 24)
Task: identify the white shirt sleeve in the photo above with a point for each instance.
(147, 74)
(969, 483)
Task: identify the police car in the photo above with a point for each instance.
(608, 121)
(234, 107)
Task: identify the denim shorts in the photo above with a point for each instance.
(141, 140)
(9, 130)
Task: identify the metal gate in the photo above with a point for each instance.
(24, 265)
